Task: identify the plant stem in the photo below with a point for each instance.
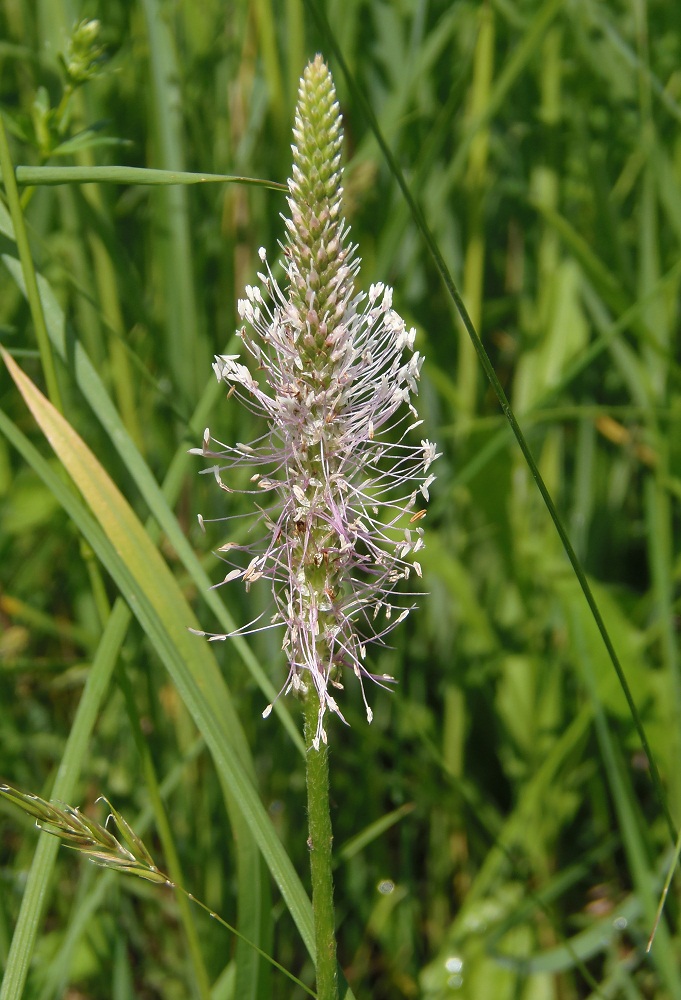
(28, 270)
(320, 843)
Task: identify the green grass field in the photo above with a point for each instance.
(504, 827)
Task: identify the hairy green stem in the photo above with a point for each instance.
(320, 844)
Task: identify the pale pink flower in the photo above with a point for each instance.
(338, 486)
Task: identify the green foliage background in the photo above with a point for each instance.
(497, 831)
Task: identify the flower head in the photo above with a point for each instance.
(339, 488)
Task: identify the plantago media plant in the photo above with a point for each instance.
(338, 484)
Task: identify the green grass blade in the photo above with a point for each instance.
(522, 53)
(130, 175)
(28, 270)
(186, 346)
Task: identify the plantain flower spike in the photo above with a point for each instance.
(337, 488)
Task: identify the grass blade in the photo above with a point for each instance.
(130, 175)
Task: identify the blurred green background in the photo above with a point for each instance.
(497, 831)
